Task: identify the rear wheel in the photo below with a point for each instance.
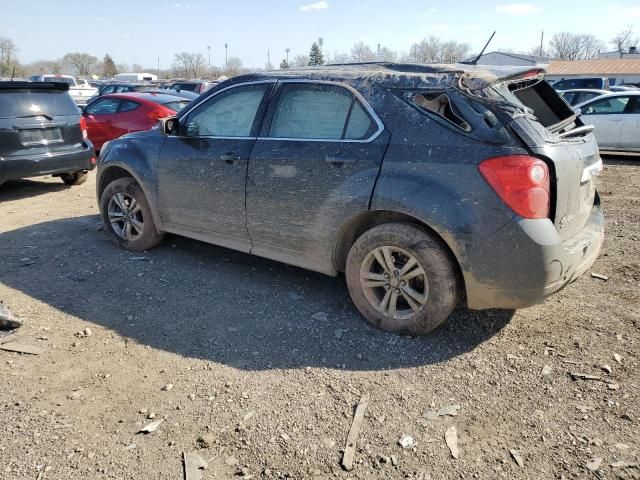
(402, 279)
(75, 178)
(127, 216)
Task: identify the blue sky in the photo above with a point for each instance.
(142, 30)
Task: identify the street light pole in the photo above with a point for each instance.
(287, 50)
(209, 50)
(226, 56)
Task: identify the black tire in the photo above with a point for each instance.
(439, 285)
(129, 188)
(75, 178)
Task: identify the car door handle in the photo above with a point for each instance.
(338, 160)
(230, 157)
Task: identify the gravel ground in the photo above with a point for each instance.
(267, 362)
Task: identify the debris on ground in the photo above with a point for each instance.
(320, 316)
(168, 387)
(600, 276)
(517, 456)
(152, 427)
(585, 376)
(447, 410)
(194, 466)
(451, 438)
(624, 464)
(350, 446)
(87, 332)
(617, 358)
(206, 440)
(594, 464)
(546, 370)
(407, 441)
(21, 348)
(8, 321)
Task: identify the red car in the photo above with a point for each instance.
(111, 116)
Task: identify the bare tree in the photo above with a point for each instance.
(623, 40)
(8, 51)
(300, 61)
(361, 52)
(434, 50)
(136, 67)
(387, 55)
(8, 58)
(189, 65)
(80, 64)
(453, 52)
(234, 67)
(340, 57)
(574, 46)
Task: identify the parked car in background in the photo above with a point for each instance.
(429, 187)
(622, 88)
(598, 83)
(616, 117)
(196, 86)
(182, 93)
(574, 97)
(122, 88)
(79, 92)
(42, 133)
(113, 115)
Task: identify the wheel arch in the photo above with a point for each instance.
(115, 171)
(360, 224)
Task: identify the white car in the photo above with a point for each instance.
(80, 91)
(616, 117)
(581, 95)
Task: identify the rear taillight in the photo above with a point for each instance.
(160, 112)
(83, 127)
(522, 182)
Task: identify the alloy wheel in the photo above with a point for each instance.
(393, 282)
(125, 216)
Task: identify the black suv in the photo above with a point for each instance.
(41, 133)
(430, 186)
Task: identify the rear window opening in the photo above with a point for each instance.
(440, 104)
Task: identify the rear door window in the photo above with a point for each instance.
(105, 106)
(320, 112)
(606, 106)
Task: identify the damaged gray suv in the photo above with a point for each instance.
(430, 186)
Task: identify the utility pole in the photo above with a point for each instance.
(287, 50)
(268, 58)
(226, 56)
(541, 42)
(158, 67)
(378, 52)
(209, 50)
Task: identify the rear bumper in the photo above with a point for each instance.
(23, 166)
(525, 262)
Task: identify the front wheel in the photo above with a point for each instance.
(75, 178)
(127, 216)
(402, 279)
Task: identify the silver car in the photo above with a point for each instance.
(581, 95)
(616, 117)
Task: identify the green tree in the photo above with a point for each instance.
(109, 69)
(283, 64)
(315, 55)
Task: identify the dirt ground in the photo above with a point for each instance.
(268, 362)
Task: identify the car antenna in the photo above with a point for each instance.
(475, 60)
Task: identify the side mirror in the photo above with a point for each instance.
(170, 126)
(578, 111)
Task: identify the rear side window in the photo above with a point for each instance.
(20, 103)
(128, 106)
(440, 104)
(320, 111)
(229, 114)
